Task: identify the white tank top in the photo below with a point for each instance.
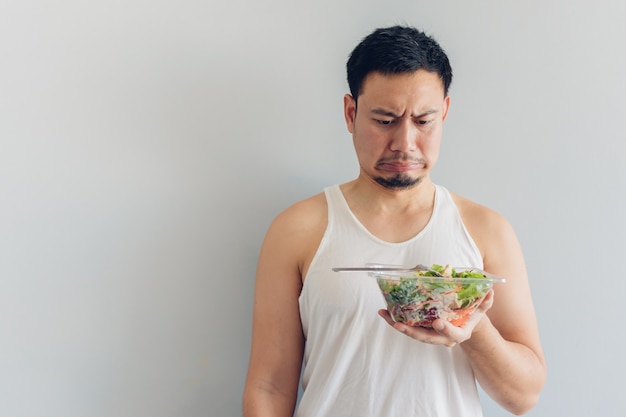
(355, 364)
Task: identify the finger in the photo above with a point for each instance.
(396, 325)
(385, 314)
(431, 335)
(422, 334)
(451, 334)
(464, 332)
(487, 302)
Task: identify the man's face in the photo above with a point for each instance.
(397, 126)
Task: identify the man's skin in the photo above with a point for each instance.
(397, 126)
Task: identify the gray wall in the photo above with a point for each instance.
(145, 147)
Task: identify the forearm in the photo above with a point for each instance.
(264, 401)
(511, 373)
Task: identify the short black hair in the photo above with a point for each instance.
(397, 50)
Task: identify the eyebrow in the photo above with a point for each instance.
(389, 113)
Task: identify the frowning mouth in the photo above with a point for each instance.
(400, 165)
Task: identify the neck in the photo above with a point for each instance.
(368, 195)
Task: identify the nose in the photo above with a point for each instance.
(405, 137)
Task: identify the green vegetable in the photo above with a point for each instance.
(420, 299)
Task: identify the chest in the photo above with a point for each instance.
(394, 228)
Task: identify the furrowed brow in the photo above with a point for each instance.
(389, 113)
(425, 113)
(383, 112)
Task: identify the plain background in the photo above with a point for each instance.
(147, 145)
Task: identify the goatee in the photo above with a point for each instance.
(398, 182)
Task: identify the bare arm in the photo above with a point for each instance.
(504, 348)
(501, 339)
(277, 338)
(277, 341)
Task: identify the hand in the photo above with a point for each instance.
(442, 332)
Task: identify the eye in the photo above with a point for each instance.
(383, 122)
(423, 122)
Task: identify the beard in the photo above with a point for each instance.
(398, 182)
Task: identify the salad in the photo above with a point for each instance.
(418, 298)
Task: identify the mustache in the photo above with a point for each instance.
(401, 157)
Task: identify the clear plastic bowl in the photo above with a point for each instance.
(419, 300)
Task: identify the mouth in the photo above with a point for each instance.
(401, 165)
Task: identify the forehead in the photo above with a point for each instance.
(413, 85)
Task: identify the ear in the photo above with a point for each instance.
(446, 106)
(349, 111)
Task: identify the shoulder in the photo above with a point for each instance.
(488, 228)
(477, 213)
(294, 235)
(303, 215)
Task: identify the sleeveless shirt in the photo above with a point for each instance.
(355, 364)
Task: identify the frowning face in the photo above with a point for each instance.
(397, 126)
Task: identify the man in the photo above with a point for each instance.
(355, 362)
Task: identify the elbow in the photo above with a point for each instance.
(521, 403)
(522, 406)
